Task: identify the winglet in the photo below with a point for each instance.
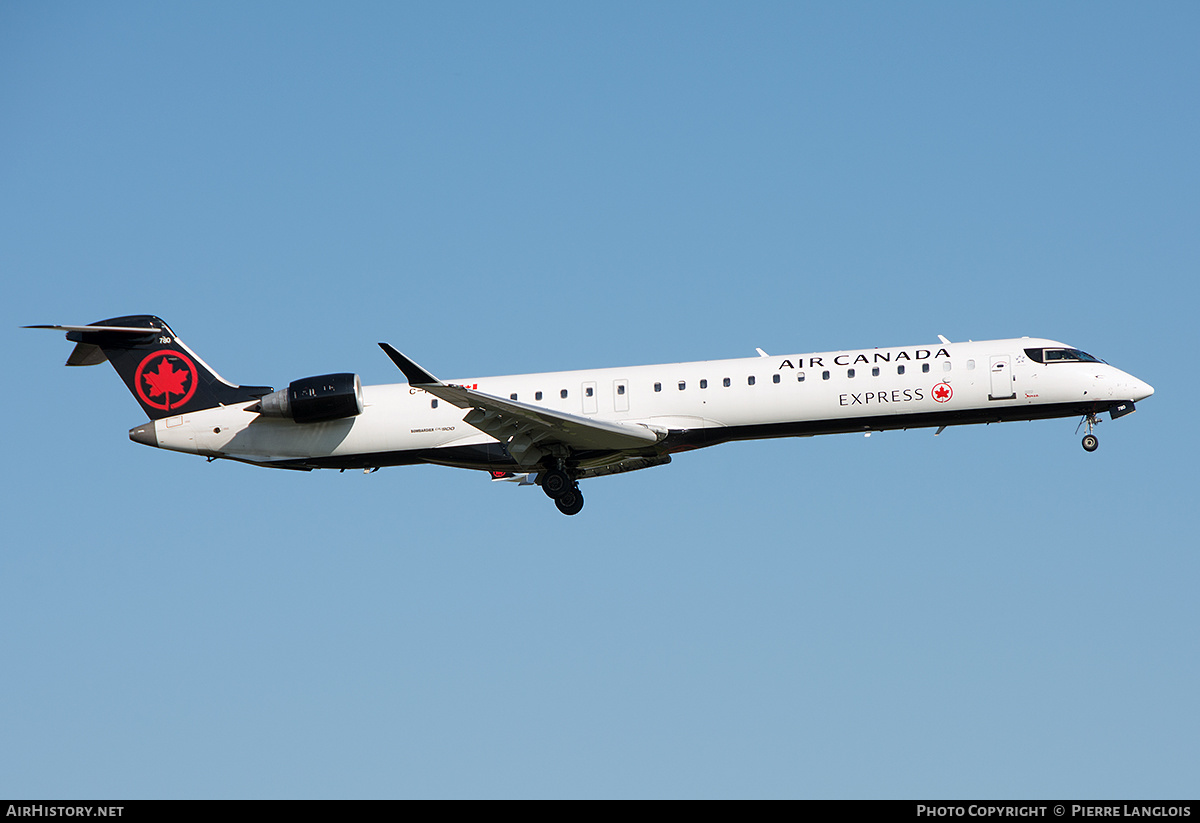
(416, 375)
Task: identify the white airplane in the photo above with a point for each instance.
(557, 428)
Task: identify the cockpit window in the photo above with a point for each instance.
(1061, 356)
(1067, 355)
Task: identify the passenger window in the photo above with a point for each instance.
(925, 368)
(775, 378)
(563, 394)
(704, 384)
(726, 381)
(899, 370)
(433, 404)
(750, 380)
(849, 372)
(875, 371)
(658, 386)
(537, 395)
(970, 365)
(512, 396)
(799, 377)
(588, 391)
(620, 388)
(824, 375)
(945, 365)
(682, 385)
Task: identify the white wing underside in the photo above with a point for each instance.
(530, 432)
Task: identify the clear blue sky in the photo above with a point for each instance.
(499, 188)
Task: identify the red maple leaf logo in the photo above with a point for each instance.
(166, 381)
(174, 385)
(941, 392)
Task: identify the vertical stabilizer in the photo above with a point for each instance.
(160, 371)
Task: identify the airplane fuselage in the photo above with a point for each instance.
(686, 405)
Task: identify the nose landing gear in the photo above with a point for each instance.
(1090, 441)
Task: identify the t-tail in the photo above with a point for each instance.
(164, 375)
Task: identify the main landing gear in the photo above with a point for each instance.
(1090, 441)
(560, 487)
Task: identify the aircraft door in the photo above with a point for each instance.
(621, 395)
(589, 398)
(1002, 378)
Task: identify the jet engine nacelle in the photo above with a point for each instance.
(315, 399)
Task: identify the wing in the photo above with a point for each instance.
(530, 432)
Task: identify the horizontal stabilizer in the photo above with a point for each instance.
(113, 329)
(165, 376)
(86, 354)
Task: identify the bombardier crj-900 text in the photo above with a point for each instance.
(558, 428)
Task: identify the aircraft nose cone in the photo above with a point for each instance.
(1144, 390)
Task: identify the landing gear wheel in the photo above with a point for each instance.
(1090, 441)
(555, 482)
(570, 502)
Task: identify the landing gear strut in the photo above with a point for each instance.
(560, 487)
(1090, 441)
